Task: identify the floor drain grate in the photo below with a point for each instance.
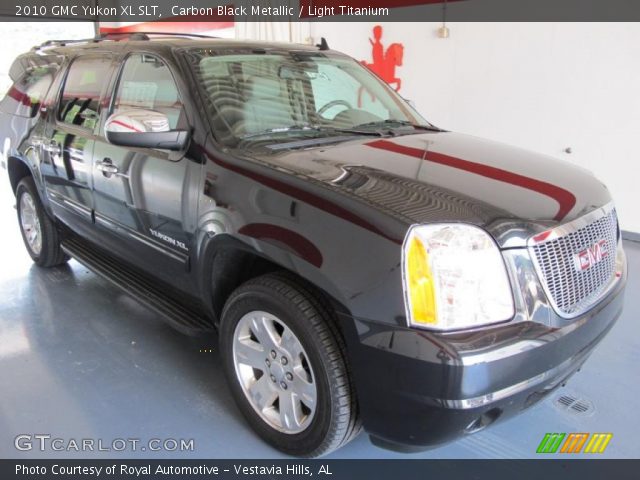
(575, 405)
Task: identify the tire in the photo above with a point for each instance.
(290, 310)
(39, 233)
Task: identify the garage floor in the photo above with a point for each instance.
(79, 359)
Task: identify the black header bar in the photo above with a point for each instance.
(230, 11)
(296, 469)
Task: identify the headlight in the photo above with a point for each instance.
(454, 277)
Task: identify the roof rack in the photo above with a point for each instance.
(115, 36)
(62, 43)
(132, 34)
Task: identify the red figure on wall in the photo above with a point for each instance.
(377, 50)
(384, 62)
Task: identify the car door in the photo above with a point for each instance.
(139, 194)
(68, 140)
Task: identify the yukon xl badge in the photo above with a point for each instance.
(588, 257)
(168, 239)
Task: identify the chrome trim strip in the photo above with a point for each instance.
(70, 205)
(474, 402)
(559, 232)
(567, 228)
(106, 222)
(517, 348)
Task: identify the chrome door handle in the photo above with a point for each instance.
(52, 147)
(107, 168)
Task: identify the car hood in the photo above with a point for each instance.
(451, 177)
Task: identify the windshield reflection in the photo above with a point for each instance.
(276, 95)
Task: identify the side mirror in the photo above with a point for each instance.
(144, 129)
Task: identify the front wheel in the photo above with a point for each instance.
(285, 362)
(40, 235)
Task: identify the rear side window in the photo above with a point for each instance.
(26, 95)
(80, 100)
(146, 82)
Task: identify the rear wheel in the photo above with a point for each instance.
(285, 362)
(40, 235)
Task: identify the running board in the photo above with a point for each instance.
(179, 316)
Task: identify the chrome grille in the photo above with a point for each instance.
(571, 290)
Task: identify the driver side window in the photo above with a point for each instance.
(146, 83)
(333, 84)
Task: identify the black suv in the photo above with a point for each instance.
(362, 267)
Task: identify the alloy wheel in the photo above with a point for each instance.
(274, 372)
(30, 223)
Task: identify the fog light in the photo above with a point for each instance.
(484, 420)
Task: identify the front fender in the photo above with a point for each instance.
(226, 260)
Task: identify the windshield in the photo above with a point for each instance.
(273, 96)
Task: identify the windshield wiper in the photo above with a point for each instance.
(271, 131)
(310, 129)
(355, 130)
(401, 123)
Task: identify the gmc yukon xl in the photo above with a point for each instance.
(363, 269)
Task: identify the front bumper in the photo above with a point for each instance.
(418, 389)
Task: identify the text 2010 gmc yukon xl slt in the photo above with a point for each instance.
(363, 268)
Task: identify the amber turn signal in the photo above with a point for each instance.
(421, 288)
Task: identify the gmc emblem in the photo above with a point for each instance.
(588, 257)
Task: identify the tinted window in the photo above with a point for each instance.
(81, 95)
(26, 95)
(273, 96)
(146, 82)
